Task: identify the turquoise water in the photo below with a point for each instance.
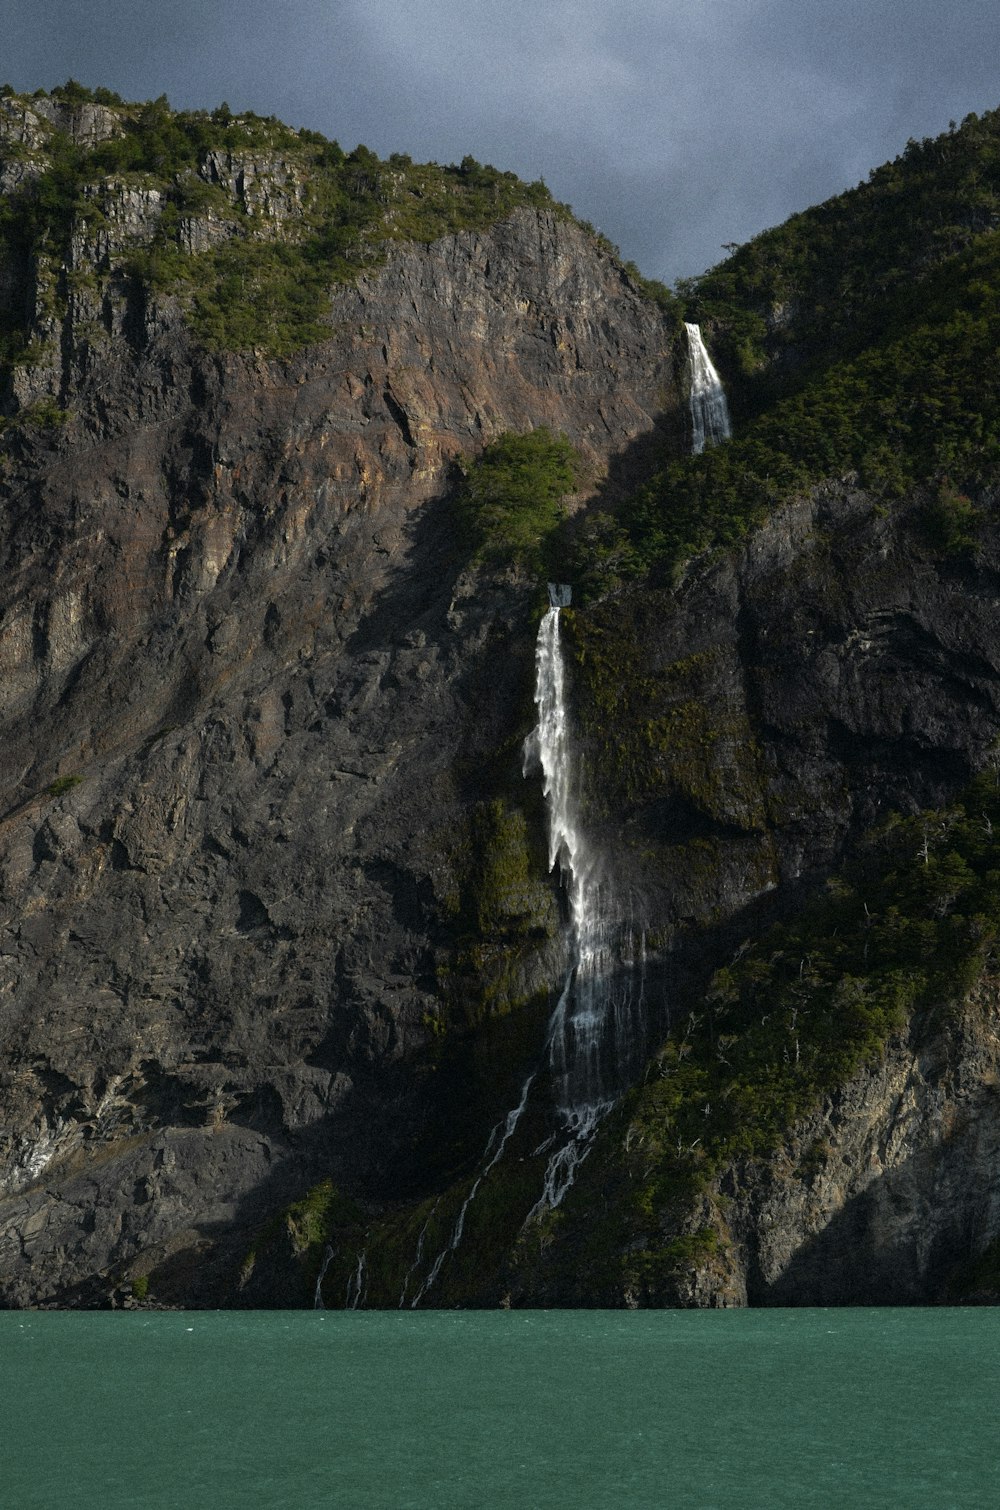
(493, 1409)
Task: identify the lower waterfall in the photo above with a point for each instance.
(318, 1302)
(596, 1035)
(356, 1286)
(597, 1031)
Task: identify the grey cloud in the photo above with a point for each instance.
(674, 125)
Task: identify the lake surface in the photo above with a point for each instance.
(493, 1409)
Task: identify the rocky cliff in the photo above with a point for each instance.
(859, 662)
(783, 703)
(248, 685)
(884, 1193)
(278, 941)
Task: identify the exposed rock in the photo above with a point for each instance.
(25, 128)
(23, 134)
(127, 216)
(862, 666)
(838, 669)
(256, 701)
(85, 122)
(248, 687)
(880, 1197)
(265, 186)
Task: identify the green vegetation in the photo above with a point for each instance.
(503, 912)
(684, 738)
(248, 177)
(302, 1231)
(510, 501)
(895, 941)
(922, 408)
(856, 341)
(469, 1276)
(858, 344)
(62, 785)
(893, 945)
(45, 415)
(309, 1220)
(75, 93)
(907, 927)
(828, 277)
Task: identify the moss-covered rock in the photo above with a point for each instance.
(686, 738)
(504, 913)
(287, 1256)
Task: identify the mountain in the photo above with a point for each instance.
(292, 438)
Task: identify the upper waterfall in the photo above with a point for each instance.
(709, 410)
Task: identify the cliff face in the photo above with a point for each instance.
(276, 910)
(840, 667)
(861, 662)
(248, 683)
(882, 1195)
(772, 708)
(870, 664)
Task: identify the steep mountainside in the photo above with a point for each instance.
(279, 941)
(252, 697)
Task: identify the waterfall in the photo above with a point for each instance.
(709, 410)
(509, 1125)
(596, 1035)
(356, 1285)
(597, 1030)
(418, 1257)
(318, 1302)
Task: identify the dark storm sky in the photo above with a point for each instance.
(673, 125)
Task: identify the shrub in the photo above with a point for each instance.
(260, 290)
(62, 785)
(510, 501)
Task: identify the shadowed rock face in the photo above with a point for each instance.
(847, 670)
(247, 687)
(837, 669)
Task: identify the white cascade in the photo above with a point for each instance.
(509, 1126)
(319, 1304)
(356, 1285)
(598, 1026)
(709, 410)
(597, 1032)
(418, 1257)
